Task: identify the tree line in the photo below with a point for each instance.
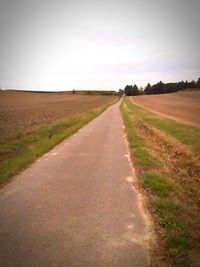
(131, 90)
(161, 88)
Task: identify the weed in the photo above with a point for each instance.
(168, 212)
(177, 248)
(160, 185)
(142, 158)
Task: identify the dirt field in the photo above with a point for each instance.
(22, 112)
(183, 106)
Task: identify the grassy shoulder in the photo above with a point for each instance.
(17, 154)
(172, 186)
(186, 134)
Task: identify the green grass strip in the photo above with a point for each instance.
(140, 153)
(159, 184)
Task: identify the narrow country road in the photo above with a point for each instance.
(76, 205)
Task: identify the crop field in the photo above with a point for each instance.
(33, 123)
(184, 106)
(166, 155)
(23, 112)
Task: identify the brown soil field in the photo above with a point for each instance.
(23, 112)
(183, 106)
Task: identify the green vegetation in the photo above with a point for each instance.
(168, 194)
(168, 212)
(131, 90)
(94, 92)
(161, 88)
(160, 185)
(17, 154)
(177, 245)
(135, 141)
(142, 157)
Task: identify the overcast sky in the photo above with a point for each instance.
(104, 44)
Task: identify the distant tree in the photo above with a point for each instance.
(73, 91)
(128, 90)
(186, 86)
(120, 92)
(147, 90)
(192, 84)
(198, 83)
(131, 90)
(160, 88)
(170, 87)
(180, 85)
(135, 90)
(141, 90)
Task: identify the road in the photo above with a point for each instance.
(76, 206)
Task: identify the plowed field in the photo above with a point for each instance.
(23, 112)
(183, 106)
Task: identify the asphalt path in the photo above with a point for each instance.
(76, 206)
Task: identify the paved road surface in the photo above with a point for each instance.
(75, 206)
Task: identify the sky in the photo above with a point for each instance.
(104, 44)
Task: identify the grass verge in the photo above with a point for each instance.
(171, 184)
(17, 154)
(186, 134)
